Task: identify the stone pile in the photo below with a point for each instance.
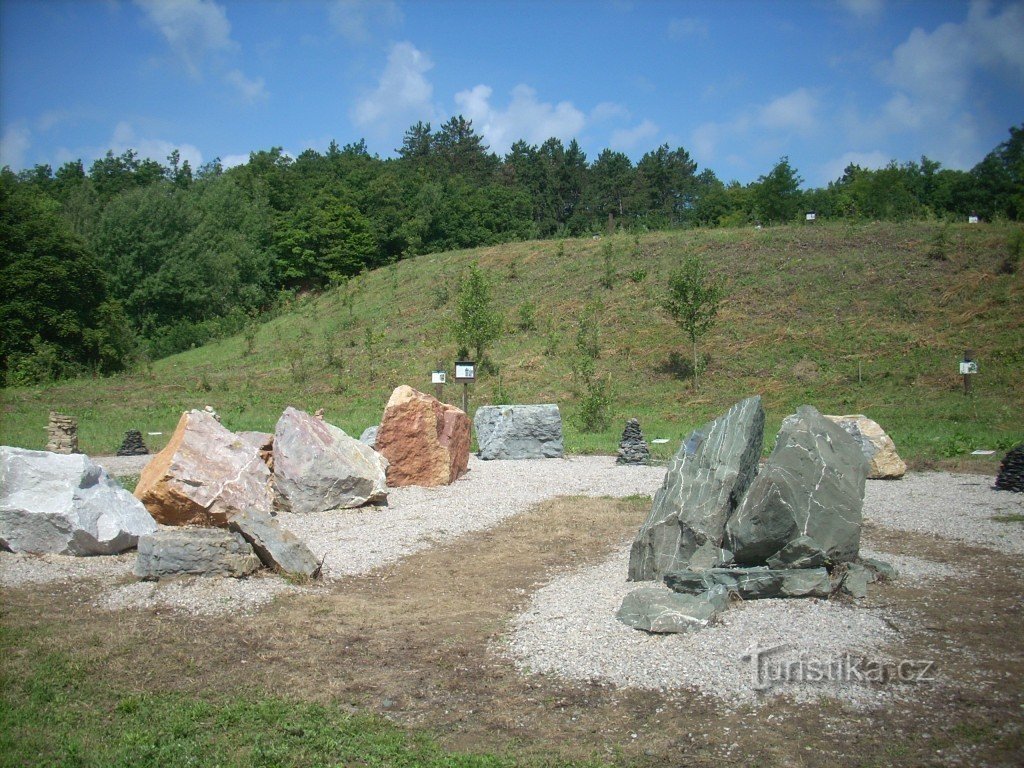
(1011, 471)
(633, 448)
(519, 431)
(721, 530)
(132, 444)
(61, 434)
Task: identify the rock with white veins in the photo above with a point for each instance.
(656, 610)
(704, 482)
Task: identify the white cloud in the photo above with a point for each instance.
(250, 90)
(863, 9)
(192, 28)
(402, 93)
(14, 145)
(623, 139)
(795, 111)
(125, 138)
(353, 19)
(680, 29)
(524, 118)
(608, 110)
(833, 169)
(230, 161)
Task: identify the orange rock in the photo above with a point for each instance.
(204, 469)
(425, 441)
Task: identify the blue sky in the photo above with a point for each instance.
(738, 84)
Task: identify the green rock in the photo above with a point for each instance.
(879, 569)
(755, 583)
(856, 579)
(812, 485)
(801, 552)
(705, 481)
(709, 556)
(655, 610)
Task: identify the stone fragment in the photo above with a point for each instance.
(801, 552)
(879, 570)
(878, 447)
(656, 610)
(519, 431)
(319, 468)
(856, 579)
(204, 463)
(755, 583)
(632, 447)
(425, 441)
(186, 551)
(369, 436)
(132, 445)
(278, 549)
(705, 481)
(1011, 471)
(65, 504)
(812, 485)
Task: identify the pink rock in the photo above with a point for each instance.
(425, 441)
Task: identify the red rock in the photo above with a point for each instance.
(204, 469)
(425, 441)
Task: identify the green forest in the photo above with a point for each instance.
(132, 260)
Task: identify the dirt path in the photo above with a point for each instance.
(416, 642)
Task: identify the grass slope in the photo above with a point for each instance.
(879, 313)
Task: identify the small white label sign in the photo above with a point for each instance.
(438, 377)
(968, 367)
(465, 371)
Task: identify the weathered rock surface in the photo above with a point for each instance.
(877, 446)
(1011, 470)
(65, 504)
(262, 443)
(856, 579)
(204, 463)
(519, 431)
(276, 548)
(655, 610)
(705, 481)
(633, 449)
(319, 468)
(709, 556)
(755, 583)
(812, 485)
(879, 569)
(801, 552)
(186, 551)
(61, 434)
(425, 441)
(369, 436)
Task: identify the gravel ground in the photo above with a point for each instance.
(197, 596)
(122, 466)
(958, 507)
(360, 540)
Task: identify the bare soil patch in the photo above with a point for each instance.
(415, 641)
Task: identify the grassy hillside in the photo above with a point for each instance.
(850, 318)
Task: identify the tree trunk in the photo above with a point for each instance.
(695, 386)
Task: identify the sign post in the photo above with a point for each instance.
(465, 371)
(968, 367)
(438, 379)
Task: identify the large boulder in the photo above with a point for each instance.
(319, 468)
(276, 548)
(812, 485)
(878, 447)
(65, 504)
(425, 441)
(519, 431)
(703, 485)
(194, 552)
(204, 463)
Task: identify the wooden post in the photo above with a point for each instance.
(465, 397)
(968, 356)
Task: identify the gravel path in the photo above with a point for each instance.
(358, 541)
(122, 466)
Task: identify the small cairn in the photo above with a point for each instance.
(132, 445)
(632, 447)
(209, 410)
(1011, 471)
(62, 434)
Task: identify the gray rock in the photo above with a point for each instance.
(755, 583)
(655, 610)
(705, 481)
(709, 556)
(879, 570)
(184, 551)
(856, 579)
(277, 548)
(65, 504)
(519, 431)
(812, 485)
(318, 468)
(633, 449)
(801, 552)
(369, 436)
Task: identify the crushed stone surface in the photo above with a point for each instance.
(197, 596)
